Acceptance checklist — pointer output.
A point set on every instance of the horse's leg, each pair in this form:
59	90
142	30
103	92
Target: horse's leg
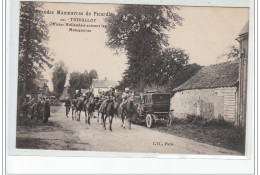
89	118
85	116
79	114
130	120
98	117
104	120
122	117
110	122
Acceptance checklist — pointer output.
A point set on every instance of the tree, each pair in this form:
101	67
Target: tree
170	61
80	81
92	75
139	30
74	83
231	55
182	75
59	76
33	53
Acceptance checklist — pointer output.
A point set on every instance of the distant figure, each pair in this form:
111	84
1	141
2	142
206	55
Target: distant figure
67	105
47	111
25	108
39	109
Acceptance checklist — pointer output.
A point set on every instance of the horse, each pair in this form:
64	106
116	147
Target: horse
107	109
127	111
78	107
89	108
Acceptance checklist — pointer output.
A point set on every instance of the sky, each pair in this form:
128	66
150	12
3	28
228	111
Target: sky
206	33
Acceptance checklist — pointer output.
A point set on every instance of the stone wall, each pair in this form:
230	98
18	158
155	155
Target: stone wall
208	103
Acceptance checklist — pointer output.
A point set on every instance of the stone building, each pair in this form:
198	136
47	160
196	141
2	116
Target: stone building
210	93
99	86
217	90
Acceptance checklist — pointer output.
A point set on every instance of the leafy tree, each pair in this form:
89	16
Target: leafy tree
74	83
231	55
59	76
33	53
92	75
170	61
182	75
80	81
139	30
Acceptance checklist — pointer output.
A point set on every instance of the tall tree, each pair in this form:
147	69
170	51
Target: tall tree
80	81
231	55
92	75
33	51
59	76
74	83
169	63
139	30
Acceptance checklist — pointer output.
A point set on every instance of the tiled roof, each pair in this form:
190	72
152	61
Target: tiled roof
213	76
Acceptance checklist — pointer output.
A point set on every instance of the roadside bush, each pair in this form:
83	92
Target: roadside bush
202	121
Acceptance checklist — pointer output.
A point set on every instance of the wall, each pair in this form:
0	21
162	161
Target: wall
205	102
243	63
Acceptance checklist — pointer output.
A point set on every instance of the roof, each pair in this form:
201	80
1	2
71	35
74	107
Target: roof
245	29
96	83
213	76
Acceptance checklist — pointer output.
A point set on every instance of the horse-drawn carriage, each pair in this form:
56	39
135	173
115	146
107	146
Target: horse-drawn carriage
153	107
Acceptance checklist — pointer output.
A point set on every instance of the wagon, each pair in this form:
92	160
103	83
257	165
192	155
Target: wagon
154	107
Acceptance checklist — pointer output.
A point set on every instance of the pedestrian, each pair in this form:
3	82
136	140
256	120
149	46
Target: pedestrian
25	108
46	111
39	109
67	105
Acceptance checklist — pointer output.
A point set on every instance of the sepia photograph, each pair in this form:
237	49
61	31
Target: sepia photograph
165	79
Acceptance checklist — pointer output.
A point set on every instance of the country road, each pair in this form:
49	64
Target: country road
65	134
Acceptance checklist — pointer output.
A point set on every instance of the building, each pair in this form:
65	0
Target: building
99	86
211	92
243	66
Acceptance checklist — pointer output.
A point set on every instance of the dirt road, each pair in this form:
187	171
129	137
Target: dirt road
63	133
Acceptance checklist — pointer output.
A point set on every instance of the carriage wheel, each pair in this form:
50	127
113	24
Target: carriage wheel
149	120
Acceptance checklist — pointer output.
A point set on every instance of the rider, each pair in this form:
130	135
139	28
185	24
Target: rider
125	96
110	97
77	94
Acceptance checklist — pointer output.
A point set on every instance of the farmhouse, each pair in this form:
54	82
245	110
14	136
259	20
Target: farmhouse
99	86
217	90
212	92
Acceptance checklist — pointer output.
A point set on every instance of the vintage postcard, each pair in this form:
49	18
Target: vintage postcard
132	78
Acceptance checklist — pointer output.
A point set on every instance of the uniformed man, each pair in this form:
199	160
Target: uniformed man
77	94
46	114
67	105
125	96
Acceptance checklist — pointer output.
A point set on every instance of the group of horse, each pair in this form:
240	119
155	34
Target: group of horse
108	108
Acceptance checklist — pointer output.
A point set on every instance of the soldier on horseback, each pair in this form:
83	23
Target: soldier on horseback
125	96
77	94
